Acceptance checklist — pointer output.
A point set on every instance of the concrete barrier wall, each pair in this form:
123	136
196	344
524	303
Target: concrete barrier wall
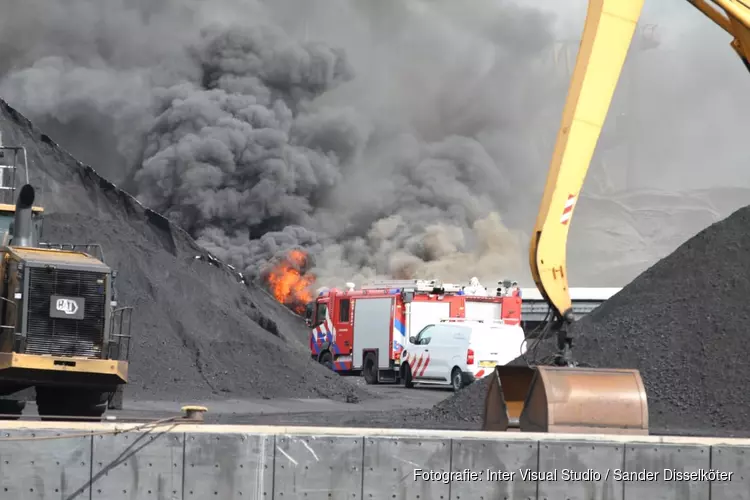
106	462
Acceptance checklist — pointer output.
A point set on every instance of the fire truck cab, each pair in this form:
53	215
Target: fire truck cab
365	330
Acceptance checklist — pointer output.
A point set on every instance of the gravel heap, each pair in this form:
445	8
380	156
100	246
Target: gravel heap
466	406
198	332
684	324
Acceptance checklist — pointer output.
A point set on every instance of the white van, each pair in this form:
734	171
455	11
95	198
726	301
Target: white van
456	352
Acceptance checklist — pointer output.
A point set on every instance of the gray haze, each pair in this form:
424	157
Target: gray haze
399	138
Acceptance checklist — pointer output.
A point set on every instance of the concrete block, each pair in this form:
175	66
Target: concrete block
390	467
580	470
35	467
665	462
734	460
493	469
138	466
318	467
228	466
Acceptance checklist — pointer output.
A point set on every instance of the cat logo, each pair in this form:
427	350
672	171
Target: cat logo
67	306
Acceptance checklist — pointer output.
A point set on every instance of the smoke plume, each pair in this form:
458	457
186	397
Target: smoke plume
356	132
384	138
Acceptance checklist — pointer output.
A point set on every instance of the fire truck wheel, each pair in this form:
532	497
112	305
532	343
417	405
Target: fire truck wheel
457	380
326	359
408	382
370	370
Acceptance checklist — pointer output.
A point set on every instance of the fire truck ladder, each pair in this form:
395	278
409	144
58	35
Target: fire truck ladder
10	158
434	285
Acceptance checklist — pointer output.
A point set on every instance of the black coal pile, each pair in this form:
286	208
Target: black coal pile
198	331
683	324
466	406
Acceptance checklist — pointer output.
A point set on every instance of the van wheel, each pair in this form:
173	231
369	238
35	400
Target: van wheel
457	380
408	382
370	370
326	359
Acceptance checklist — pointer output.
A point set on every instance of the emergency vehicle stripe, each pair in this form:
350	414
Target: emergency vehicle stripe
399	326
419	365
424	366
342	365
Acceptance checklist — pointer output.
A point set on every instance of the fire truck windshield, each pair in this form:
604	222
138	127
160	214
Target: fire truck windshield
320	314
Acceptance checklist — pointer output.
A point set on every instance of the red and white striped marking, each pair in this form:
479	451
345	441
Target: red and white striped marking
568	210
418	363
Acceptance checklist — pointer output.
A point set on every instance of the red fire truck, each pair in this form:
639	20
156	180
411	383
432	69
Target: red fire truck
365	330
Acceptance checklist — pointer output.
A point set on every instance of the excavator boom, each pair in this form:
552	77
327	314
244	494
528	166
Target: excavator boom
566	397
609	29
607	35
733	16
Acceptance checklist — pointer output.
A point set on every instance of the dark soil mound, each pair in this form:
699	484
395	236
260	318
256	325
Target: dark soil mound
467	405
684	324
199	333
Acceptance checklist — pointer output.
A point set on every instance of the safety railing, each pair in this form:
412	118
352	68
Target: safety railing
93	249
119	334
10	159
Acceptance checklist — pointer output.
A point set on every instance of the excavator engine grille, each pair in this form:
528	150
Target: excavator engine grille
64	336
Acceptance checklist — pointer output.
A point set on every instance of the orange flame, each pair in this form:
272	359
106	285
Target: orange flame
288	284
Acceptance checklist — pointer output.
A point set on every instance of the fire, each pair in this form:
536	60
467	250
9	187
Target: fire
289	284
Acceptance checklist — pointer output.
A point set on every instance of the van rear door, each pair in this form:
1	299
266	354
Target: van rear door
495	345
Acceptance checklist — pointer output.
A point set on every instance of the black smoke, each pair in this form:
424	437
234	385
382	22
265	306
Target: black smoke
383	138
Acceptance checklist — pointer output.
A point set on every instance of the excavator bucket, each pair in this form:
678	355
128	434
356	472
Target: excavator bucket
567	400
505	397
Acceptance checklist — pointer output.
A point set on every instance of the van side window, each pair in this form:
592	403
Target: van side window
344	311
425	335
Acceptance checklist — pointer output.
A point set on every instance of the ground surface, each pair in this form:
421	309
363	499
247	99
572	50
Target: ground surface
394	408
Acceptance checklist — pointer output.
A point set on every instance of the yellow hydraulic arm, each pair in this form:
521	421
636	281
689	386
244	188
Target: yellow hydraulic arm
607	35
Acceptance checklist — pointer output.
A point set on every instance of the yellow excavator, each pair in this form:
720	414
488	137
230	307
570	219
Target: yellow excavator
563	396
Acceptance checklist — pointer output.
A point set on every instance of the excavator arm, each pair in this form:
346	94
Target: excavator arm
733	16
567	398
607	35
